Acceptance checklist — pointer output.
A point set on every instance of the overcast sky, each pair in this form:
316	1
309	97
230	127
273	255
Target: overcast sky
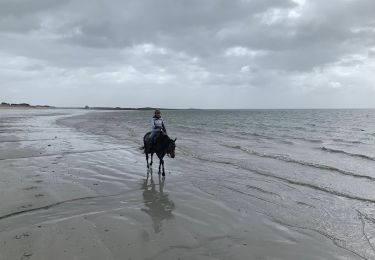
188	53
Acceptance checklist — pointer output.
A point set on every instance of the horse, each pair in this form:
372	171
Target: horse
162	145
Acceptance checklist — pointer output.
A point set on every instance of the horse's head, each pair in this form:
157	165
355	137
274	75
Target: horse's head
171	147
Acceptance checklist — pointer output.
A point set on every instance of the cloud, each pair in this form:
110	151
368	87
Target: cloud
251	53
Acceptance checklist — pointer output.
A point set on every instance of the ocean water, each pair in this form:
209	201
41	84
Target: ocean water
308	169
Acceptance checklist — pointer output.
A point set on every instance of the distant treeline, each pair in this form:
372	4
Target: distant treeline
3	104
25	105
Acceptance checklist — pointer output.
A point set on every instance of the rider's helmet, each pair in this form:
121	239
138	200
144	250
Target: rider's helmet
157	112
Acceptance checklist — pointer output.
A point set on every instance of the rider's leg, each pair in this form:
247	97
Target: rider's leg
151	138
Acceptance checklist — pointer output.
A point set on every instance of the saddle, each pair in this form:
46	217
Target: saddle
156	137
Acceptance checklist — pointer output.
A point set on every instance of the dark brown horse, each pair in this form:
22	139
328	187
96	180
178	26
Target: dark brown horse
162	145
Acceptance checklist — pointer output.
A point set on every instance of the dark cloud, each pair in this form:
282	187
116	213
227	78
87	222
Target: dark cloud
301	48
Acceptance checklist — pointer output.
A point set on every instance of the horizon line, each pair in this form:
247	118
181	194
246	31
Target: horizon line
26	105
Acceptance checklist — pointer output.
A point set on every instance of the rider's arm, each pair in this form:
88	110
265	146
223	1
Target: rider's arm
163	127
152	123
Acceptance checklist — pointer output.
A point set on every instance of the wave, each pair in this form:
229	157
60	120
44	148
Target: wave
363	156
262	190
286	142
27	140
280	138
300	162
243	133
293	182
358	129
316	187
61	154
347	141
303	139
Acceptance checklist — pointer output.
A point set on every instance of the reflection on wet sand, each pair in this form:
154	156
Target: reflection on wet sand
157	203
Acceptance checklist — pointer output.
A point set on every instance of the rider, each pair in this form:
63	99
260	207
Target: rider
157	123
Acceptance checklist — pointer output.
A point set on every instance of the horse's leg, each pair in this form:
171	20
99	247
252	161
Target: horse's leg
148	166
159	166
162	163
152	155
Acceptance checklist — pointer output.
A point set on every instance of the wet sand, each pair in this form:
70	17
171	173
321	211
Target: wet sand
67	194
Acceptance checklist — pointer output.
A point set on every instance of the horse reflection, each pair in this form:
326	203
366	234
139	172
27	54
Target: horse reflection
157	203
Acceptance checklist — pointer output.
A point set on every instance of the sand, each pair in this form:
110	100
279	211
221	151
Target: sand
66	194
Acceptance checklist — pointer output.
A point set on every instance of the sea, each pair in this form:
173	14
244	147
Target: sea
308	169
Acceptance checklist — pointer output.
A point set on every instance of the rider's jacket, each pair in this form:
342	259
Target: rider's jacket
158	123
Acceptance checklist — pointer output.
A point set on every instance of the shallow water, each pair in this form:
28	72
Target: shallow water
245	184
312	169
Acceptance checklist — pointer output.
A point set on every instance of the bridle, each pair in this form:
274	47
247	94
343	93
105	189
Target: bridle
171	147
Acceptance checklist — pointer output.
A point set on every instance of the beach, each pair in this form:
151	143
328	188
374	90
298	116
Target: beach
74	185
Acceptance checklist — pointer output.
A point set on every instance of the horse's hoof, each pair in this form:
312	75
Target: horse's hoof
150	163
163	174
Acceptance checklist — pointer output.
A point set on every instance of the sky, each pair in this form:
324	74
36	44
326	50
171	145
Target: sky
188	53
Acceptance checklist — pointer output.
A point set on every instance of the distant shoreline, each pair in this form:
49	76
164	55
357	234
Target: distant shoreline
27	106
22	105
